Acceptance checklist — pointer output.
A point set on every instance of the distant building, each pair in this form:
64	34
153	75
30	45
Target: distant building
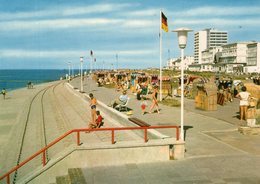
205	39
209	57
194	67
175	63
234	58
170	63
253	58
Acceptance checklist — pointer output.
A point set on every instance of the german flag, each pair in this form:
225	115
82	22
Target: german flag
164	23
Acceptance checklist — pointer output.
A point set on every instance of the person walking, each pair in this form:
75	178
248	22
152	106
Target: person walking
244	102
3	92
93	106
154	100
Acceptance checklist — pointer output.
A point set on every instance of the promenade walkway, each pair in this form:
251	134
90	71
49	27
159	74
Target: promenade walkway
63	110
215	151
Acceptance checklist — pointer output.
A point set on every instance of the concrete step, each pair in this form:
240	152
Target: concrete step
63	180
76	176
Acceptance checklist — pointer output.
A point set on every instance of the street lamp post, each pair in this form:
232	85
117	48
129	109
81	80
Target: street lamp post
81	76
69	71
117	62
182	38
72	70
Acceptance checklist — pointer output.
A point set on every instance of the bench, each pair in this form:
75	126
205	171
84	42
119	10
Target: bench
139	122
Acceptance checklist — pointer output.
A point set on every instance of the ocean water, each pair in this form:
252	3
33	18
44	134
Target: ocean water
14	79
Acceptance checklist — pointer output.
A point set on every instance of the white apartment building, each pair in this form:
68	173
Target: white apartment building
175	63
205	39
253	58
170	63
209	55
234	57
209	58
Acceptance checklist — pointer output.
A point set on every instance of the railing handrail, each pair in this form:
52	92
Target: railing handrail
43	150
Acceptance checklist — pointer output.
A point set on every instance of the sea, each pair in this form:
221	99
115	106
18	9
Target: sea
15	79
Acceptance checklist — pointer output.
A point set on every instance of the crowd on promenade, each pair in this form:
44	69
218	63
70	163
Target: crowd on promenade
227	90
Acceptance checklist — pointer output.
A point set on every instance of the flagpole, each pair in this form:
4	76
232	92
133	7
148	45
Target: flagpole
91	64
160	55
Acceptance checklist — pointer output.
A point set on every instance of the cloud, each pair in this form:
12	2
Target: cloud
97	8
138	23
65	11
70	23
219	22
56	24
19	53
143	13
220	11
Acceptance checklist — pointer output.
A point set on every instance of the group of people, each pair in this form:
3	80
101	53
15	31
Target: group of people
141	90
96	118
256	80
247	107
122	85
123	98
230	91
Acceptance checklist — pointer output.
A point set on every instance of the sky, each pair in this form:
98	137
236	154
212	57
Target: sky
48	34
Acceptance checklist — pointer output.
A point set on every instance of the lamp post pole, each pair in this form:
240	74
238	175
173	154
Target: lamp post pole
117	62
182	94
72	70
182	38
81	76
69	71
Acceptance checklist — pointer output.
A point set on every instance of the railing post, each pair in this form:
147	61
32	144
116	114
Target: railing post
8	179
78	138
177	133
113	136
145	134
44	158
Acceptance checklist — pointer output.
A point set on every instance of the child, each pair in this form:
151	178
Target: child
98	123
93	106
99	120
143	105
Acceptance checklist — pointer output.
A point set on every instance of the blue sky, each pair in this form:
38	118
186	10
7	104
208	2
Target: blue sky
47	34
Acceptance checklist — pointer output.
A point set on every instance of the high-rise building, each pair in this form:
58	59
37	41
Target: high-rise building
208	38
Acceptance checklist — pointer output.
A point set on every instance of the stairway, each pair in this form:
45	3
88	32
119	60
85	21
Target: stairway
75	176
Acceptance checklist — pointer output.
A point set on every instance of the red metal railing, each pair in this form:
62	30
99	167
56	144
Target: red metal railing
43	150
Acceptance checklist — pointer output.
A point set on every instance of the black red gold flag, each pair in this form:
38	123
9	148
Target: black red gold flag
164	23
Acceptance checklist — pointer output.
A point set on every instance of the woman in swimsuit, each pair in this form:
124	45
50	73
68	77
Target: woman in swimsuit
154	98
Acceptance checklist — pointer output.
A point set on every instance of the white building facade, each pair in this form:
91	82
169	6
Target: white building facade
234	58
175	63
170	63
253	58
205	39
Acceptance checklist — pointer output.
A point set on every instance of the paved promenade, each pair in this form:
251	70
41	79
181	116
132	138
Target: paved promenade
22	114
215	151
